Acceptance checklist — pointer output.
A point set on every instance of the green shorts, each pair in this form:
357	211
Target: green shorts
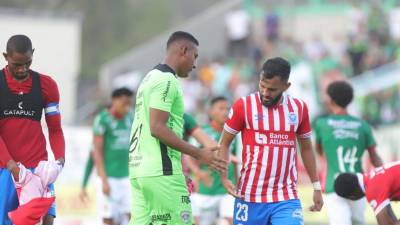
160	200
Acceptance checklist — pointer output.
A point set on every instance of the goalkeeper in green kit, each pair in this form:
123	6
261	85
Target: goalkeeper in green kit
343	139
159	191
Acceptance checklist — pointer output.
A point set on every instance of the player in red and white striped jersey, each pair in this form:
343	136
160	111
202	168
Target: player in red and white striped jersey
380	186
270	122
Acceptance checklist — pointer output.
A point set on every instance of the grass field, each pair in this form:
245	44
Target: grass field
73	212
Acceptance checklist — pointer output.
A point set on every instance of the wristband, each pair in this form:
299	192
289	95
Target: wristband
317	186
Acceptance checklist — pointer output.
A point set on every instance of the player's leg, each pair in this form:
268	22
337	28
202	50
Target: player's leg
168	199
105	203
195	201
8	196
205	208
51	214
226	208
123	199
247	213
140	210
287	212
338	209
358	211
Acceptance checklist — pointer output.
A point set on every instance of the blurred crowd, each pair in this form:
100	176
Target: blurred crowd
369	43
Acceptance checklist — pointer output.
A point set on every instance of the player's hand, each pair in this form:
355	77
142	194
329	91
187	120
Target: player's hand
106	187
230	188
208	156
12	166
318	201
83	196
204	177
61	161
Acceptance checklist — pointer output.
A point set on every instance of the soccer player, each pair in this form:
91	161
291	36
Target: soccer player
159	191
380	186
343	139
270	122
24	95
111	129
212	201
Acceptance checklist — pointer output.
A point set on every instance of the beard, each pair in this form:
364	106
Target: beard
271	102
21	76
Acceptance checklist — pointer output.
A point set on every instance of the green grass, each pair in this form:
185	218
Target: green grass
69	205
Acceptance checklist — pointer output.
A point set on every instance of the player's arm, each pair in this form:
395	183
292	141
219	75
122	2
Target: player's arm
203	138
307	154
318	145
192	129
386	217
371	143
374	157
7	160
88	170
308	158
51	97
98	158
225	142
206	141
86	175
318	148
159	130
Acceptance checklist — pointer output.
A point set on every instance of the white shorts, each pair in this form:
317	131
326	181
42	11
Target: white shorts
207	208
119	201
343	211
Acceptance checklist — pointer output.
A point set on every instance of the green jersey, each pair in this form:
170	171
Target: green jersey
343	139
115	134
189	124
216	188
160	89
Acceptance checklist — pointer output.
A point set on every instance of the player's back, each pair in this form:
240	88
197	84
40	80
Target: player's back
386	176
160	89
343	139
382	185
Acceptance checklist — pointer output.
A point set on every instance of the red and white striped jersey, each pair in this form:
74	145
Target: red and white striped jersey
269	155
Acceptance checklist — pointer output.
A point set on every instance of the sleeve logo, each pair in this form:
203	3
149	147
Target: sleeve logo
230	113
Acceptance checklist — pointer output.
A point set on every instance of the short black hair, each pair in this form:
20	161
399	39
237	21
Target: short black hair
217	99
341	93
181	35
121	92
346	184
19	43
276	67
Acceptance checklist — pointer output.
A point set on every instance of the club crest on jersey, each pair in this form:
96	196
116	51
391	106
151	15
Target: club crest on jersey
292	118
185	216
